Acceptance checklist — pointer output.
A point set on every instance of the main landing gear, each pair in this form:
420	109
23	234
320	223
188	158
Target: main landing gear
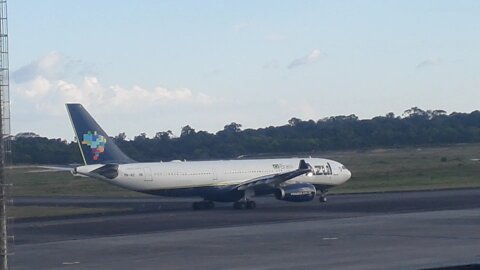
323	196
244	204
203	205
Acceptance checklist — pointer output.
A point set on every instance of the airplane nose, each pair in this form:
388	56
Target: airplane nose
348	174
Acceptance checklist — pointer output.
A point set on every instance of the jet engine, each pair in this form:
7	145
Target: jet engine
300	192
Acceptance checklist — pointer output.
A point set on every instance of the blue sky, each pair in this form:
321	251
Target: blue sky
148	66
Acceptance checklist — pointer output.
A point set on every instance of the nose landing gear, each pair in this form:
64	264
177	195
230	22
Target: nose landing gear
323	196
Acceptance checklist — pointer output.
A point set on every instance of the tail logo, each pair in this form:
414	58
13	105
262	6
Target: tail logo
96	143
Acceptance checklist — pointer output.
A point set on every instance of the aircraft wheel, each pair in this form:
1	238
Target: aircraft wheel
238	205
251	205
322	199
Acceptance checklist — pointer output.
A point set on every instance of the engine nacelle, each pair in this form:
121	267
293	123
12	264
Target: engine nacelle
300	192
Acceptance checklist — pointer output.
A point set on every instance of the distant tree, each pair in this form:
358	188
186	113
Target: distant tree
232	127
163	135
40	150
416	127
390	115
121	137
294	121
187	130
26	135
436	113
351	117
414	112
141	137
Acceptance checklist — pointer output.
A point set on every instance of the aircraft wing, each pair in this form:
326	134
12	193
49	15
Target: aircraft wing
273	180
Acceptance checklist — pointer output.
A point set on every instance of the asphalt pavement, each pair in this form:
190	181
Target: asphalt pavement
397	230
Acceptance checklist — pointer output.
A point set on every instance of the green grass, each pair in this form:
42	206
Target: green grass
411	168
28	181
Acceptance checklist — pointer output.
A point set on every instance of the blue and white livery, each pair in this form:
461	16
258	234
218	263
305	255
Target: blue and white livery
237	181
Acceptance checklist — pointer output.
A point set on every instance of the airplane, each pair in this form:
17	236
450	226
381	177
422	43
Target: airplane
235	181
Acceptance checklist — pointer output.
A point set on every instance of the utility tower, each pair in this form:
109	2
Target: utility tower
5	148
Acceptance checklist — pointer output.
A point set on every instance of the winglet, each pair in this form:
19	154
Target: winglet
304	165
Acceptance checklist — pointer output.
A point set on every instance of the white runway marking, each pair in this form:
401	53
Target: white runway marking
70	263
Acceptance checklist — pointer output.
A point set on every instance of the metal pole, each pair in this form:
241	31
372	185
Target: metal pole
3	209
4	132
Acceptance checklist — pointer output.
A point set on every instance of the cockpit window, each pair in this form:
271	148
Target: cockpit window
343	167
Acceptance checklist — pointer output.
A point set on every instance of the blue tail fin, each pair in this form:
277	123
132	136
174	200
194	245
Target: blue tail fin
95	145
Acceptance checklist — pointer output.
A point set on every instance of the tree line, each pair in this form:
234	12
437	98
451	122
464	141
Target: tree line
414	128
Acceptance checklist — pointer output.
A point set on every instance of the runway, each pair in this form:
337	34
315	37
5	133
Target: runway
400	230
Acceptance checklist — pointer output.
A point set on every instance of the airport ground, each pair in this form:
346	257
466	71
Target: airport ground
392	230
375	221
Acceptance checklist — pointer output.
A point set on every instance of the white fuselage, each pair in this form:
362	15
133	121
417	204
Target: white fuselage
146	177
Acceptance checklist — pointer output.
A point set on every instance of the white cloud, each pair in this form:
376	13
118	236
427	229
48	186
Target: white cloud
38	87
430	62
49	61
46	94
313	57
45	85
53	65
140	97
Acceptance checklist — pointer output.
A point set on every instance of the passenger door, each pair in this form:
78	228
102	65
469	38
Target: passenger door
148	174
